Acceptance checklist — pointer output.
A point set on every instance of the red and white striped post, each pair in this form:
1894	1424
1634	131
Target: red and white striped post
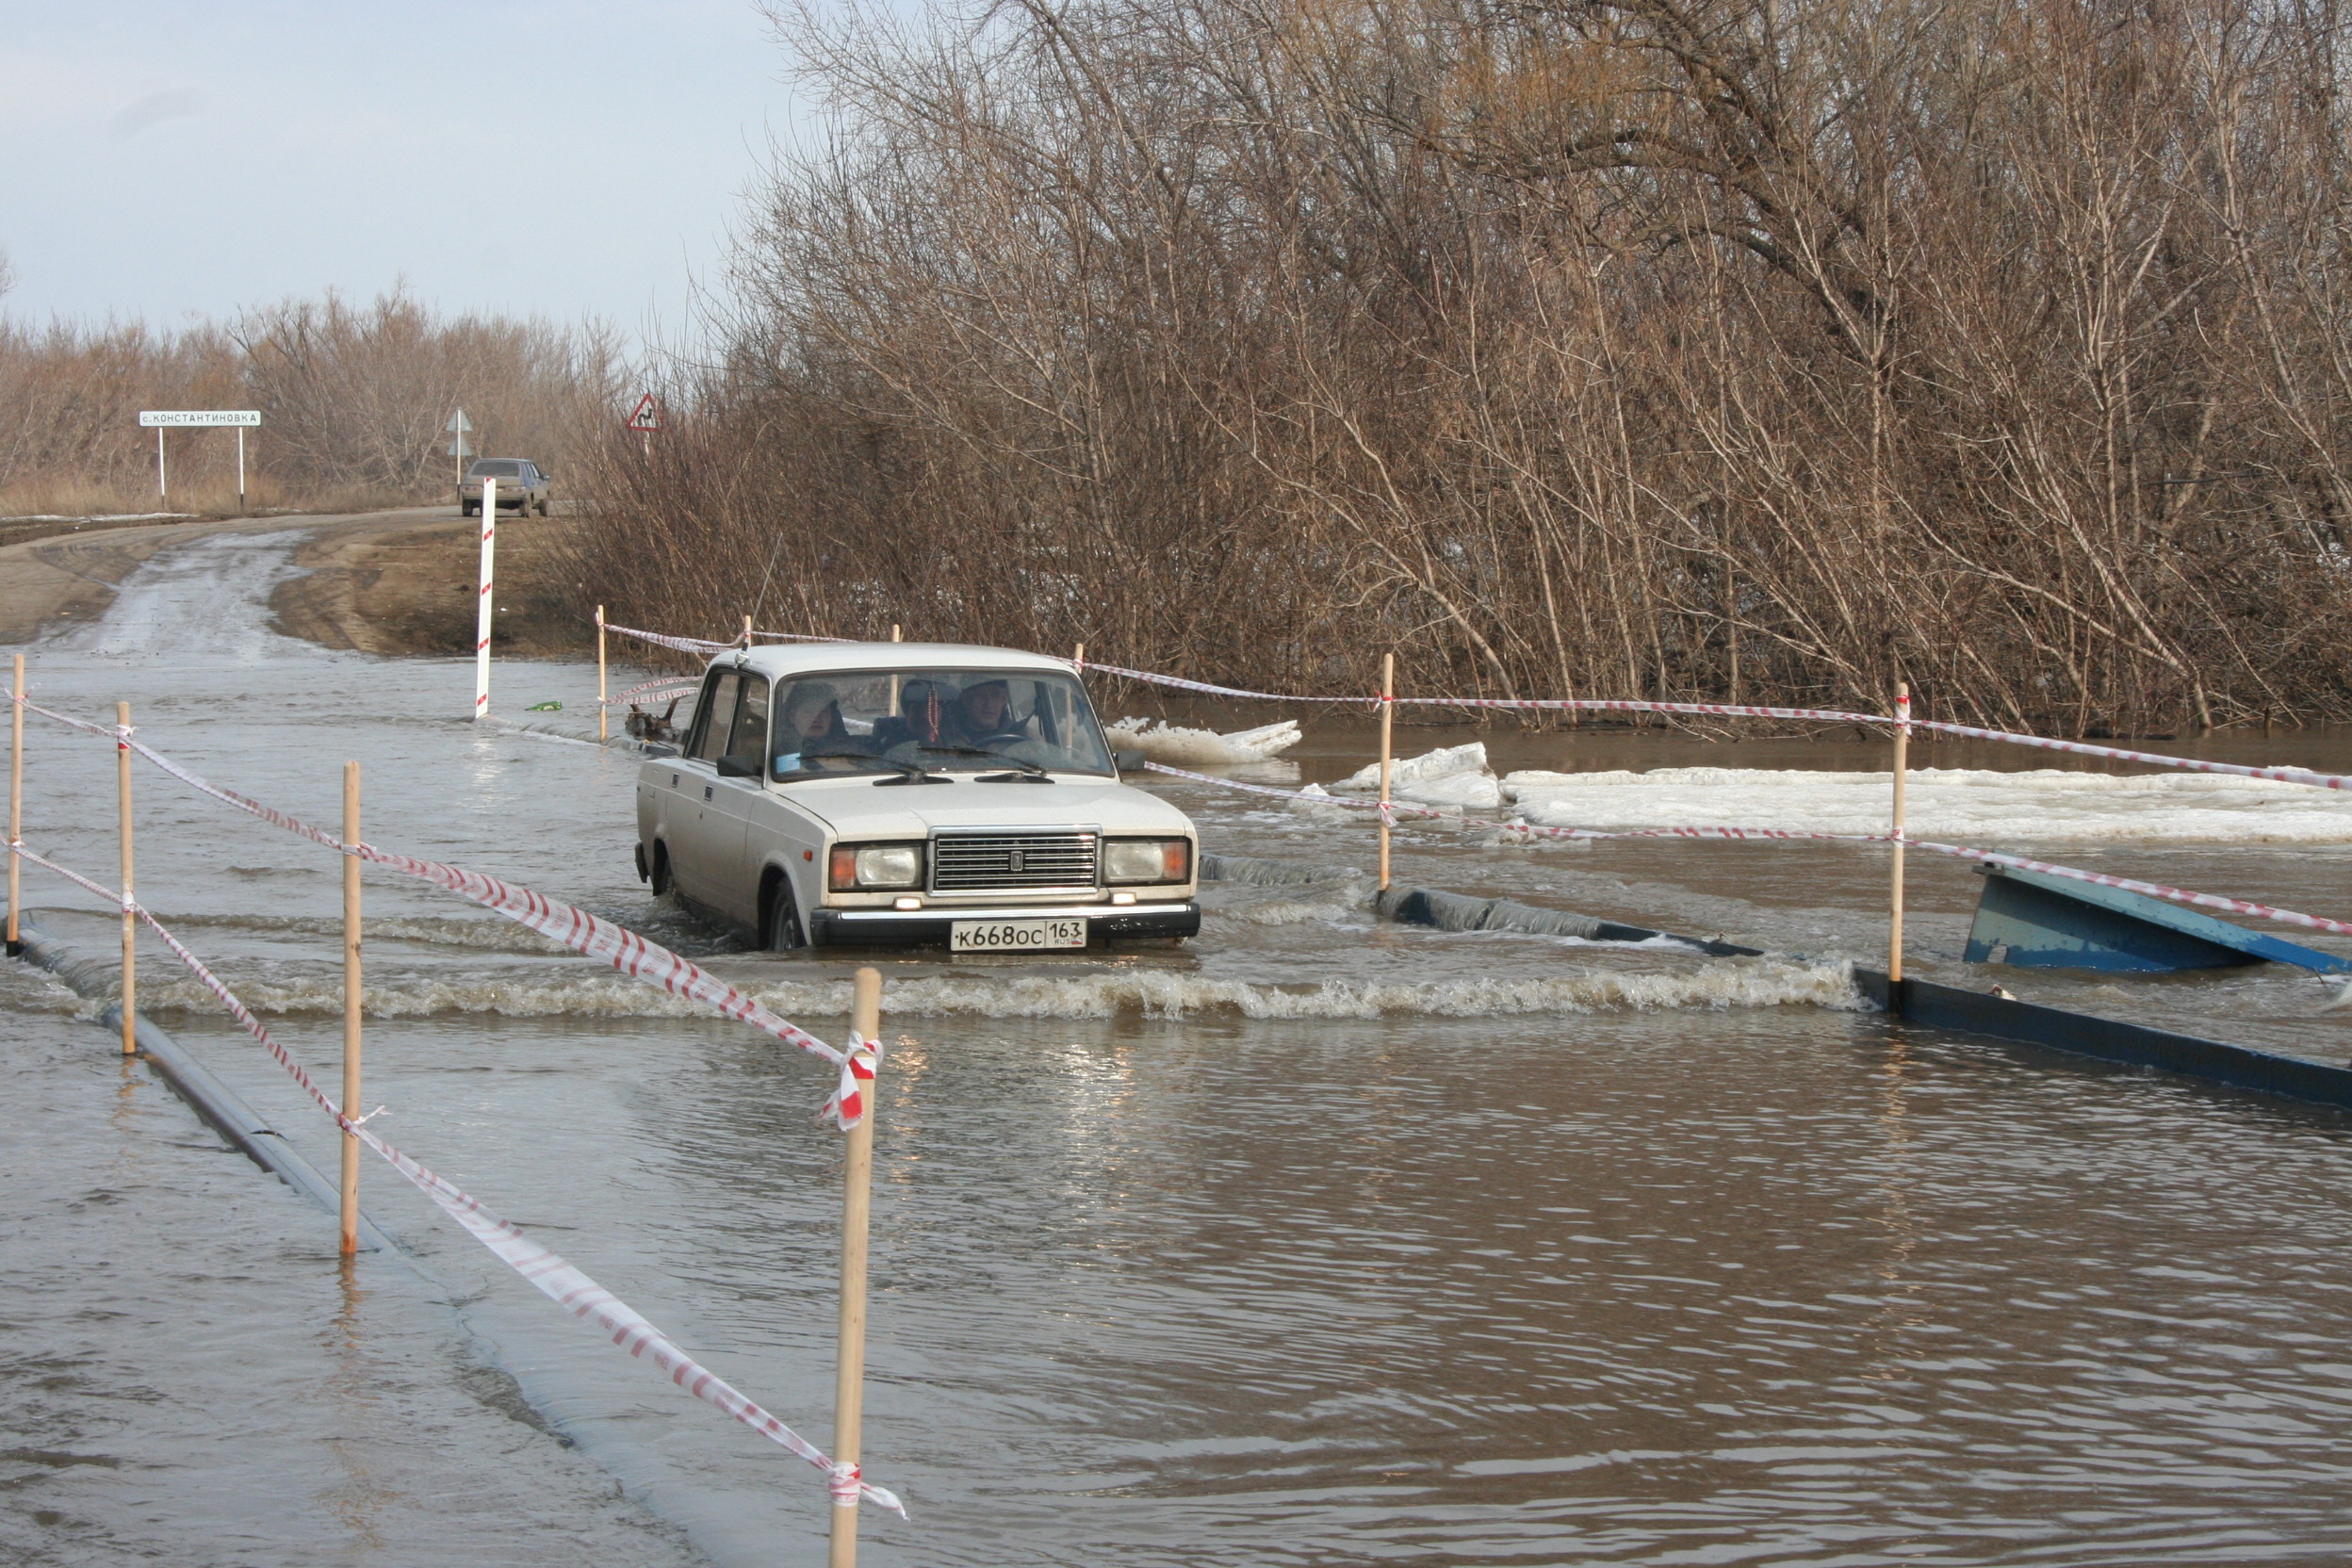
16	805
1894	916
350	1010
130	919
481	614
1388	753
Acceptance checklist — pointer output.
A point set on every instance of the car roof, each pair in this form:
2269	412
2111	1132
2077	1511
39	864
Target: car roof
793	659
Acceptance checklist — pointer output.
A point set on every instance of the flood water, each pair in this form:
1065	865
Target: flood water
1316	1241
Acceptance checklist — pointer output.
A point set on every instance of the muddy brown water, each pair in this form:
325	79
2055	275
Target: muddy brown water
1316	1241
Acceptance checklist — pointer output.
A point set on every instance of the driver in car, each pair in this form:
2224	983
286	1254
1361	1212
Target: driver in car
984	717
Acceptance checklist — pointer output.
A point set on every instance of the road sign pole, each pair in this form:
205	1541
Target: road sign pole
163	419
457	427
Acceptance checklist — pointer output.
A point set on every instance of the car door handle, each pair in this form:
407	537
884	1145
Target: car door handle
706	791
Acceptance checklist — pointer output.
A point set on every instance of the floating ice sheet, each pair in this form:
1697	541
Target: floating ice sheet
1967	804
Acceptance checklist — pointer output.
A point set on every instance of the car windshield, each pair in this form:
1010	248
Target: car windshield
496	469
883	720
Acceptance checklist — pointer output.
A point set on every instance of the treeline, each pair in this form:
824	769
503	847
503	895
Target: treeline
1760	350
353	399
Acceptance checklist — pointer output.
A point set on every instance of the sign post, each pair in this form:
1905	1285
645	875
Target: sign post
459	448
161	420
644	419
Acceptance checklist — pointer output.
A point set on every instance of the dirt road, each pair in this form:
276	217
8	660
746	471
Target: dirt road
384	582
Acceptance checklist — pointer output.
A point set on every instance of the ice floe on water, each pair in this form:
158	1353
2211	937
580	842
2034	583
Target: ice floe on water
1178	747
1965	805
1450	775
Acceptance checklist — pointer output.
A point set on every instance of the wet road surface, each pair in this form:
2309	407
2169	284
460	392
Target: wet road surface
1317	1241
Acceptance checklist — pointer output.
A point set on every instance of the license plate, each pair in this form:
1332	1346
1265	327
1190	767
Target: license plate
1015	936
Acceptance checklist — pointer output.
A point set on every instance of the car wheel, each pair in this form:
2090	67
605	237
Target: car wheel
543	506
782	924
662	883
467	509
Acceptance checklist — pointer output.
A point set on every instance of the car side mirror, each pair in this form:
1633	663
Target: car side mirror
658	748
739	767
1128	761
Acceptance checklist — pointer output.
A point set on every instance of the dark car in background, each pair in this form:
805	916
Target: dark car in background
521	485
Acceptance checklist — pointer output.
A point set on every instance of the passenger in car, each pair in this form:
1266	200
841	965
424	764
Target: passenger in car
820	741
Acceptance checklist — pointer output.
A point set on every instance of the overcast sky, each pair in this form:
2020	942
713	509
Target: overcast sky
166	159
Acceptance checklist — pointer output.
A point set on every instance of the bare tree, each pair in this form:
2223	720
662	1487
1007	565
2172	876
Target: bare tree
1692	347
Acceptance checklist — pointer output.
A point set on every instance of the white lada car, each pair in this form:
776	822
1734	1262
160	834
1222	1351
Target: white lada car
888	793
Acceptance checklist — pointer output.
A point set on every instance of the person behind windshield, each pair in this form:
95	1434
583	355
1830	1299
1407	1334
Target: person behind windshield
814	731
983	715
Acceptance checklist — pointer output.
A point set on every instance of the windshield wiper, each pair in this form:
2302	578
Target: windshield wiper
1029	771
910	773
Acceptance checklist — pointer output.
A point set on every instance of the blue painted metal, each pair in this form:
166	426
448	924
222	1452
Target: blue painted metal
2036	921
2078	1034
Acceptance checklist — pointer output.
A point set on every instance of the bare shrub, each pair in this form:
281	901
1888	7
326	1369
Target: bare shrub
1698	348
352	402
356	398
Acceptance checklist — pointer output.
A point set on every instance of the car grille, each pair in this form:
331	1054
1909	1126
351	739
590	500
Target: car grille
979	863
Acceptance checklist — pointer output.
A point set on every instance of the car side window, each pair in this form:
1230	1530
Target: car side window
750	733
715	723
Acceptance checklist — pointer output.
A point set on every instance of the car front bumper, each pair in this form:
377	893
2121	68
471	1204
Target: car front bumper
909	927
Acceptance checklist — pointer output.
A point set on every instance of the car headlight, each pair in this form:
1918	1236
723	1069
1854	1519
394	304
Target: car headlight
854	866
1147	860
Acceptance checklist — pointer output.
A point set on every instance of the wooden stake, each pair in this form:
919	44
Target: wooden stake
893	632
1079	659
604	714
849	1380
16	803
1894	920
746	631
350	1009
130	922
1388	713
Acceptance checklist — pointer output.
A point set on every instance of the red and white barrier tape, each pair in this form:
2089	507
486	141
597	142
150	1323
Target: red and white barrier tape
800	637
2152	889
2194	764
1612	705
662	638
557	1279
1182	684
654	691
847	1107
1814	715
576	928
1714	710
